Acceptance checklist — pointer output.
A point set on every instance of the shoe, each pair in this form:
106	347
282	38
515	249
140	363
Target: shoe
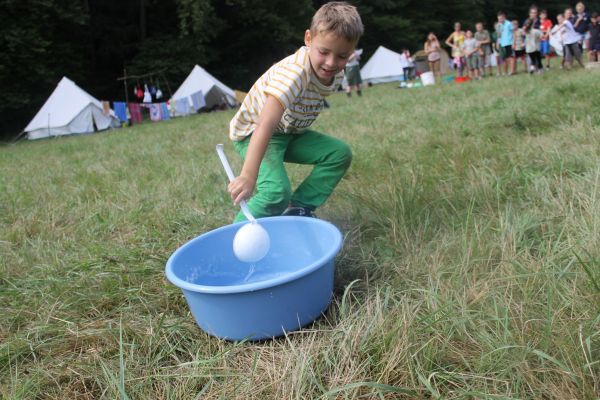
299	212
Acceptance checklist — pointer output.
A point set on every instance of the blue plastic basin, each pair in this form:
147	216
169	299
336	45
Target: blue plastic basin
284	291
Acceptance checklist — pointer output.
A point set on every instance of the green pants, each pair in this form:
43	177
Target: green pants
330	156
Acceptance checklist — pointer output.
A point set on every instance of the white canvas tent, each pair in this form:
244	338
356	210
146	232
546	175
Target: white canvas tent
69	110
215	92
383	66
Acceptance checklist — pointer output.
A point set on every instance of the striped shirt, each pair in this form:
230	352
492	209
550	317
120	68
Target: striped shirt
294	84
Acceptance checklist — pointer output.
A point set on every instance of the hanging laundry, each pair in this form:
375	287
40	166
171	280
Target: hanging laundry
121	110
158	94
198	100
182	106
164	111
139	93
155	112
147	96
136	112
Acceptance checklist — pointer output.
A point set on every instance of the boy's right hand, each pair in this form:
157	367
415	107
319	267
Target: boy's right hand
241	188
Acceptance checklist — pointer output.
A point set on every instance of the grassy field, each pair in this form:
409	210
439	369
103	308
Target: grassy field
470	270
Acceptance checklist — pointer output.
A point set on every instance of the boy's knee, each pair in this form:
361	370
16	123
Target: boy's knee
277	200
343	154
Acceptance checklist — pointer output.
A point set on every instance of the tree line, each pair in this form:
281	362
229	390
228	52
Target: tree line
93	41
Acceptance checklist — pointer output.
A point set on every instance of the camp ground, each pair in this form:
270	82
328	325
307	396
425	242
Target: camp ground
435	239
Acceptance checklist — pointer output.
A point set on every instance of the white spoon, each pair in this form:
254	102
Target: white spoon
251	242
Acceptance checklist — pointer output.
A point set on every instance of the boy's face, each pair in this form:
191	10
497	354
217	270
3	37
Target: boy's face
580	8
543	16
501	19
560	19
328	54
479	27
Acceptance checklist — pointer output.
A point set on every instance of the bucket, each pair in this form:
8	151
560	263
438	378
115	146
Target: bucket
427	78
283	292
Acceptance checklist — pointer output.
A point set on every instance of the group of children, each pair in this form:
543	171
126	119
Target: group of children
528	42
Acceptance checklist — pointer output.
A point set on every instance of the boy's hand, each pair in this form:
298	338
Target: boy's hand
241	188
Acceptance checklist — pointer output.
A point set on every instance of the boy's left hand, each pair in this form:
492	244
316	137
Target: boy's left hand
241	188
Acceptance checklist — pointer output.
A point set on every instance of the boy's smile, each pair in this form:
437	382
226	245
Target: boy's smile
328	54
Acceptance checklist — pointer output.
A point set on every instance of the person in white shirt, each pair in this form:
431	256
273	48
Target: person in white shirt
570	41
408	65
352	71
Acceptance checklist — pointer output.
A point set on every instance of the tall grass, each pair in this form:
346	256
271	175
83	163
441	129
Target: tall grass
470	267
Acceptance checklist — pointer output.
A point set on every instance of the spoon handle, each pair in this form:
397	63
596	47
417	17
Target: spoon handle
231	177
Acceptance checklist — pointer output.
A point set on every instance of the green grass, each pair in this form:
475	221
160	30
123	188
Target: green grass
470	270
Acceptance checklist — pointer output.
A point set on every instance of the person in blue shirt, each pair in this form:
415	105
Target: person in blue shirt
506	42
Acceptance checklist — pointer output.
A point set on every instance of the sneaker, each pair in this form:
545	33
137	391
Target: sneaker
299	212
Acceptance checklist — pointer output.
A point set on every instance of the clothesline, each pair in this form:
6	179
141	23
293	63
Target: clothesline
131	113
158	74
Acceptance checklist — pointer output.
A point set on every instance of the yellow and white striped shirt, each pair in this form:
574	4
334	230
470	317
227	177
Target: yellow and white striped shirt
293	82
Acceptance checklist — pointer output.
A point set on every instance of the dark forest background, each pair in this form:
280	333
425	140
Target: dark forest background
93	41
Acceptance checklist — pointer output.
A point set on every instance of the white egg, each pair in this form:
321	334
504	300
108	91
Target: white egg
251	243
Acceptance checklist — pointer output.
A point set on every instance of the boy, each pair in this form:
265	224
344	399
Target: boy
519	45
546	27
484	43
471	51
570	41
271	126
506	42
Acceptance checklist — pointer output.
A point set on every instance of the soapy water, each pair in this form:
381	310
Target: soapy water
212	275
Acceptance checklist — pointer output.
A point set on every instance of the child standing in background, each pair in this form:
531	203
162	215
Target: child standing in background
408	65
432	49
546	27
570	40
455	42
484	42
352	70
533	39
499	50
519	45
506	40
470	49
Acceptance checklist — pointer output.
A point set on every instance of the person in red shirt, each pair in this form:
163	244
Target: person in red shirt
546	27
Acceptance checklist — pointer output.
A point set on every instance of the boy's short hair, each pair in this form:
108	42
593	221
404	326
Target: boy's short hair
501	14
544	12
594	15
339	18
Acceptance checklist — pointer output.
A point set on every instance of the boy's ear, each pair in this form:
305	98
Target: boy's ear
307	38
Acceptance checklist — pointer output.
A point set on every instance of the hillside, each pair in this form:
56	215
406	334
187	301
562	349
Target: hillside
470	267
